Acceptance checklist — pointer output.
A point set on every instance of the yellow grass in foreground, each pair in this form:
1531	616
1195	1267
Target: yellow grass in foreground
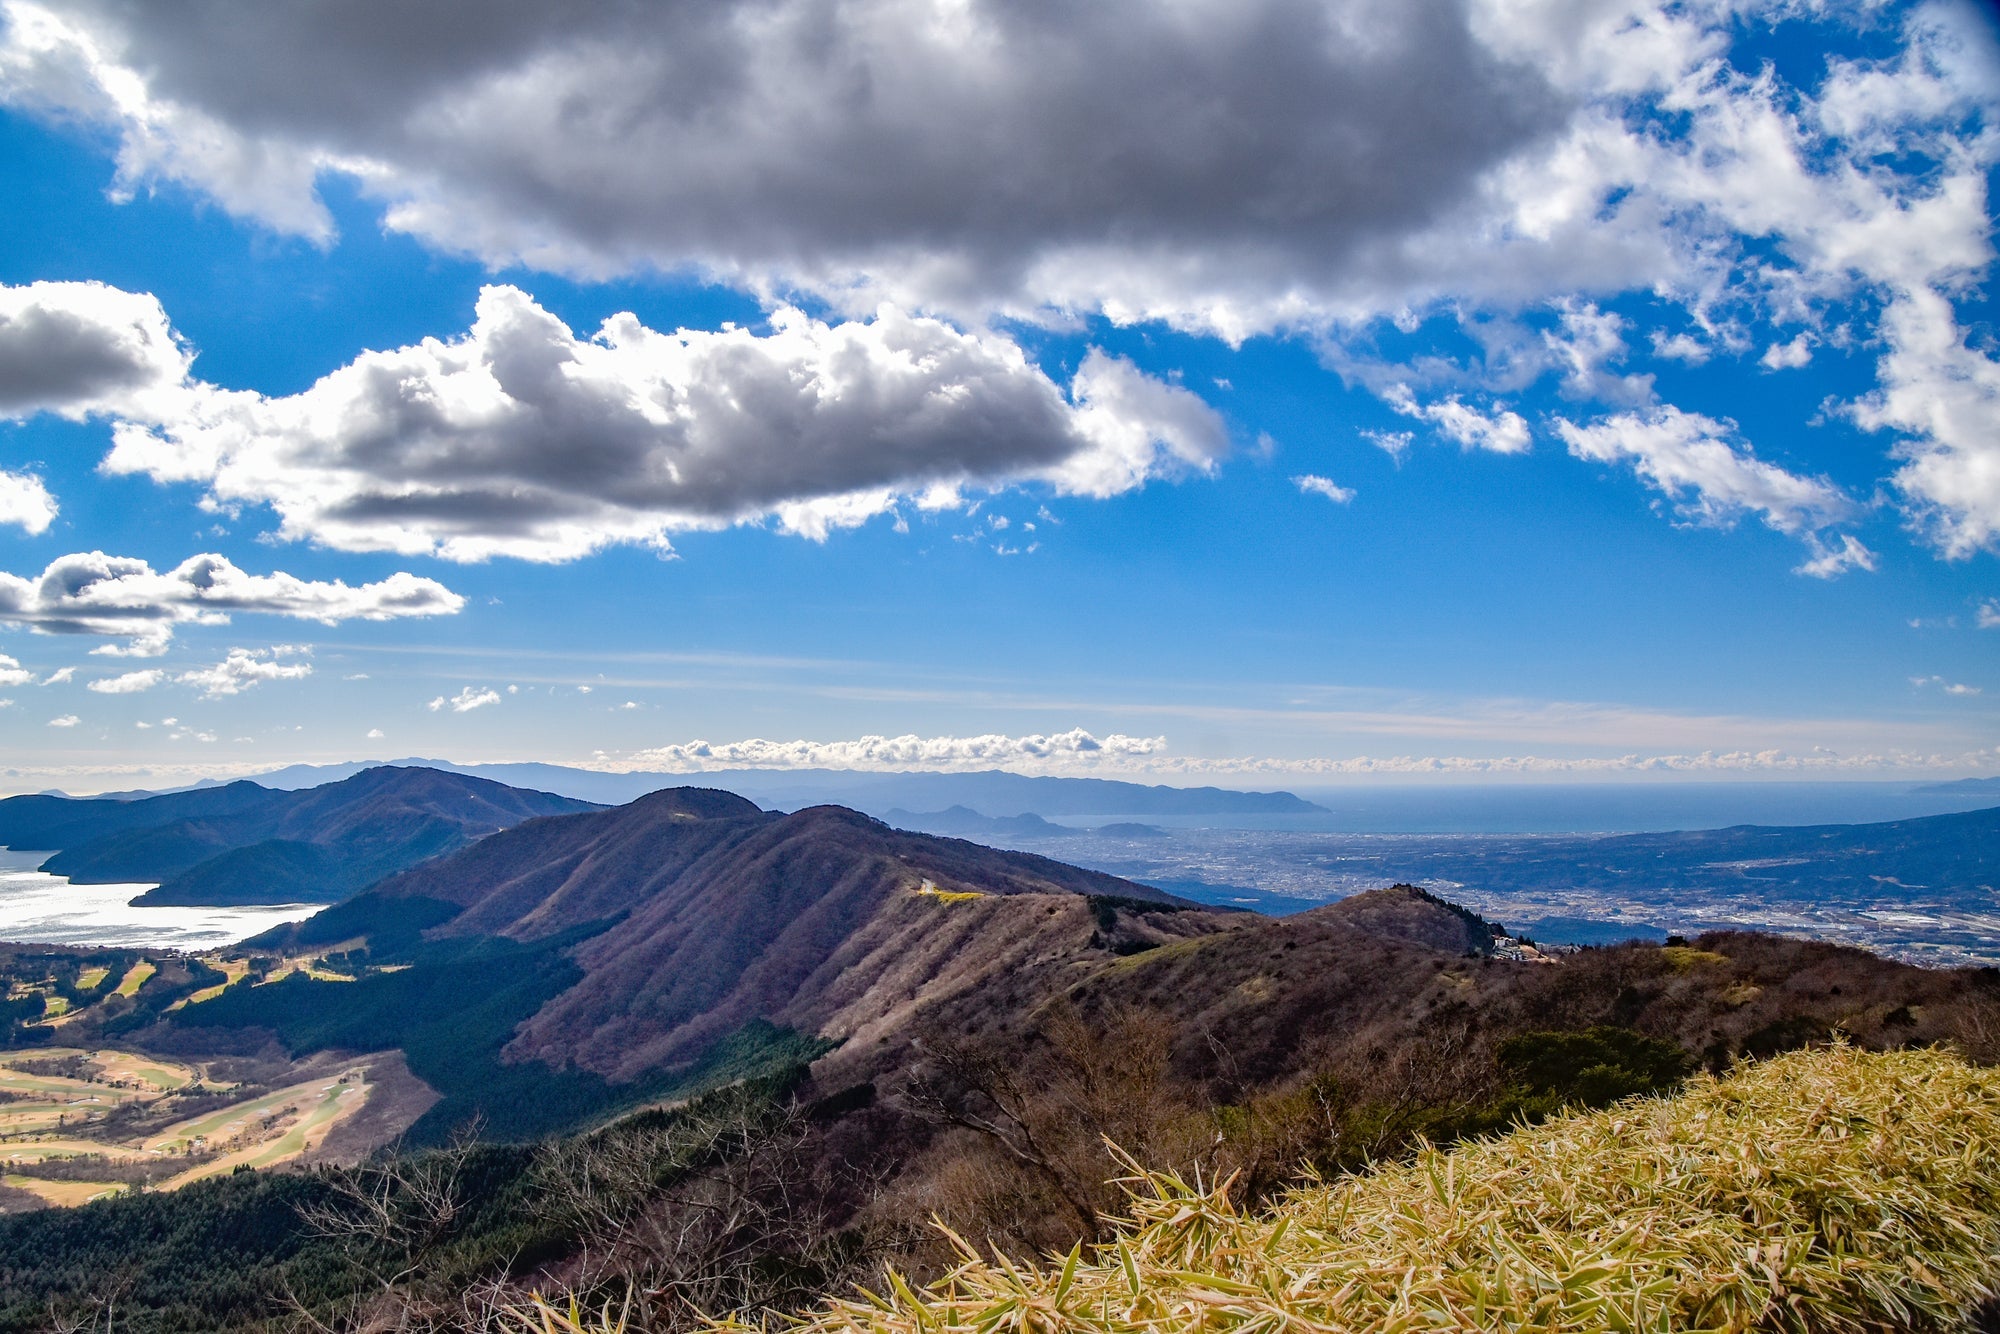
1825	1190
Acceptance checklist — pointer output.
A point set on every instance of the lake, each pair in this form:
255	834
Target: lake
43	909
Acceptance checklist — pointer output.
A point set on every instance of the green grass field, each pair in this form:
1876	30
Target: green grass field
234	970
318	1110
56	1114
65	1192
135	977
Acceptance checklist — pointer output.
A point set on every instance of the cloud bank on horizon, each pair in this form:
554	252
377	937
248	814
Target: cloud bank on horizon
1518	226
1078	752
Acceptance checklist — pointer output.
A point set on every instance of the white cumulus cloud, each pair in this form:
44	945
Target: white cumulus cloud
92	593
1788	355
1942	397
129	683
83	349
518	438
26	503
1231	168
1312	484
1499	430
1681	347
244	668
66	720
1233	165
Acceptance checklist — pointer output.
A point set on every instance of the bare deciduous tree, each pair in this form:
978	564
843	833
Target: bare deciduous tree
390	1216
725	1210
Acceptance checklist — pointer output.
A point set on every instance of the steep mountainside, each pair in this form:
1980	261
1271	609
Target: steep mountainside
1245	1002
876	793
709	913
242	844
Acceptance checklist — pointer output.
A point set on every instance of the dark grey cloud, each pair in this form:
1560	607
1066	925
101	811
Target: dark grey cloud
963	155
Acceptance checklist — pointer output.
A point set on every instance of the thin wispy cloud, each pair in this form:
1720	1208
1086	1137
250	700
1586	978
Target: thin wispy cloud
1078	752
1312	484
1711	480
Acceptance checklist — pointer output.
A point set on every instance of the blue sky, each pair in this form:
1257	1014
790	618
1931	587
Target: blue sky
1261	394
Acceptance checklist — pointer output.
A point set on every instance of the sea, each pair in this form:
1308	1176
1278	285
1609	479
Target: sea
1607	808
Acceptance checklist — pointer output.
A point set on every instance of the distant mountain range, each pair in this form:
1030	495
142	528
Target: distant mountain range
1968	786
964	822
990	793
242	843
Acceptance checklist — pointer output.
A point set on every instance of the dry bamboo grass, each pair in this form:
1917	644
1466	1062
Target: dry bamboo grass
1824	1190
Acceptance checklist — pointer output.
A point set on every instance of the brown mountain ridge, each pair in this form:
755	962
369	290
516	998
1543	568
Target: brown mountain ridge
691	916
720	913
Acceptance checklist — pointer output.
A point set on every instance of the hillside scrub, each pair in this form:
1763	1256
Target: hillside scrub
1831	1189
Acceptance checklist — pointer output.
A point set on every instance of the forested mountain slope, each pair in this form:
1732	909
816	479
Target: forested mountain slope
47	823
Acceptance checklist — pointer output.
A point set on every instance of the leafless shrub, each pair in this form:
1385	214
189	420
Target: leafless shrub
728	1210
98	1311
1047	1120
396	1212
